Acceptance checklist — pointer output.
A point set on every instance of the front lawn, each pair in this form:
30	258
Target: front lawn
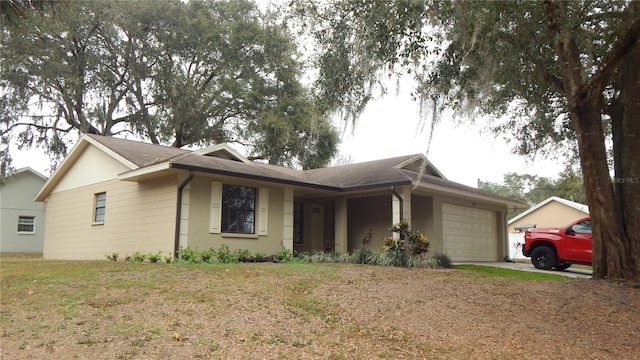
126	310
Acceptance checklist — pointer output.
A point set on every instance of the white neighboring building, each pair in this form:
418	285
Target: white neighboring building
22	219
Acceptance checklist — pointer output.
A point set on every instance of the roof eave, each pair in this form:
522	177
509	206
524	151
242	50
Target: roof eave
253	177
145	172
485	198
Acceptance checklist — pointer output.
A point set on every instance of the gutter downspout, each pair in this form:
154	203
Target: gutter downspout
176	242
400	200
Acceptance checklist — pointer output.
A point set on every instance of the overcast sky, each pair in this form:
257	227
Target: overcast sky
390	127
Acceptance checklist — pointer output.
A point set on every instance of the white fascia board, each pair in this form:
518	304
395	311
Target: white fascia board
141	172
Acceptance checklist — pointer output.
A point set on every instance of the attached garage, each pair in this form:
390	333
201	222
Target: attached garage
469	234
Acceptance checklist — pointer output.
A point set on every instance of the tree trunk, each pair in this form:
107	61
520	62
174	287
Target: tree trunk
612	255
626	146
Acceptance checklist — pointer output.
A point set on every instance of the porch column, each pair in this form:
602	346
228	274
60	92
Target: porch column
287	233
405	193
341	225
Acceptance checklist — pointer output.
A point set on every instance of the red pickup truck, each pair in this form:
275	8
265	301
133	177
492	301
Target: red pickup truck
558	248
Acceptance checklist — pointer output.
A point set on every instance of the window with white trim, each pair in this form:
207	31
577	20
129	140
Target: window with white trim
100	207
26	224
238	209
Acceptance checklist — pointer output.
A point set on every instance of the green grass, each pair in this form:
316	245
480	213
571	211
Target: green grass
524	275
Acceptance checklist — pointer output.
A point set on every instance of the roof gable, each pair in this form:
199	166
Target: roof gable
223	151
420	164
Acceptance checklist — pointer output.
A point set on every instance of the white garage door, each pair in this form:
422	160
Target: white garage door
469	234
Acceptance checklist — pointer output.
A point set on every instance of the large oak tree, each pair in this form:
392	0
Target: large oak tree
555	75
166	71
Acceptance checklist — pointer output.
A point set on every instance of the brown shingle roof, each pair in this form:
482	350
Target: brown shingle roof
140	153
368	174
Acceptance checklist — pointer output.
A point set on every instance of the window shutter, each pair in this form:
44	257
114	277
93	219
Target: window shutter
215	215
263	211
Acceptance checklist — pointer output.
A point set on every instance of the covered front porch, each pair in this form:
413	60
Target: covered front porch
462	228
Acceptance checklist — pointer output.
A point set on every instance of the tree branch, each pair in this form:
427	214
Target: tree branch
623	46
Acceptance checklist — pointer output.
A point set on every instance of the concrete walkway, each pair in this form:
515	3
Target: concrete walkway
570	272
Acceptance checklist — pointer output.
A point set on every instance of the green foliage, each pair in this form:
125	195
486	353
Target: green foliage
260	256
154	258
532	189
441	260
137	257
172	72
207	256
284	254
404	245
363	256
188	255
242	254
224	255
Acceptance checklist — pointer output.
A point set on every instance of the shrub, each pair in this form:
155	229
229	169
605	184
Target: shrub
259	256
113	256
441	260
187	255
284	254
242	254
403	247
363	256
207	255
224	255
137	257
154	258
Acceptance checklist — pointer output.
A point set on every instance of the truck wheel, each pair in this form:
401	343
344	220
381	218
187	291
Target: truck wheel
543	257
562	266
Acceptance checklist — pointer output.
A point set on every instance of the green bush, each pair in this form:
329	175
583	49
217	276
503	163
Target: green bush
137	257
284	254
224	255
188	255
242	254
363	256
154	258
207	256
441	260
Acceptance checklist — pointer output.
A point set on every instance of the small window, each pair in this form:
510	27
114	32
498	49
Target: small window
26	224
101	202
238	209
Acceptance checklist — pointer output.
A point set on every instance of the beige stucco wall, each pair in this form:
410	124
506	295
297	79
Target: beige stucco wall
139	217
199	217
551	214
